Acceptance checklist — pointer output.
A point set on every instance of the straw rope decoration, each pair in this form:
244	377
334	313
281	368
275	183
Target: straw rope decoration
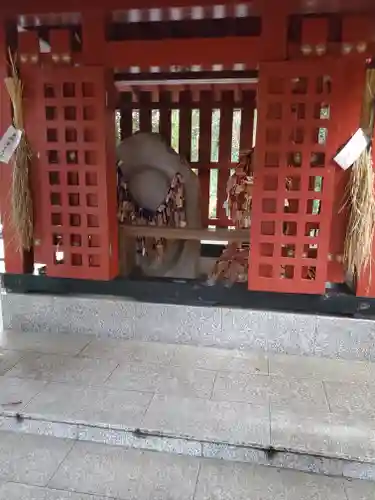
360	196
21	200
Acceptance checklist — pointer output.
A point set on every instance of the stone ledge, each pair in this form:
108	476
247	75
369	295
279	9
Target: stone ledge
270	331
287	459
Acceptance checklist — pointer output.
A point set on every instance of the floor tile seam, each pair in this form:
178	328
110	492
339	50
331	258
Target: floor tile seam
197	479
73	444
345	490
181	366
315	336
11	367
104	386
61	490
326	396
87	493
270	399
80	385
104	383
145	411
23	407
84	347
153	398
40	353
270	423
213	386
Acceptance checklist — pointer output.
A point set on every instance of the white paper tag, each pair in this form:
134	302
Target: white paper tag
352	149
9	143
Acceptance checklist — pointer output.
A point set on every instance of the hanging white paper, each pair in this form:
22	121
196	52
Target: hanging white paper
9	143
352	149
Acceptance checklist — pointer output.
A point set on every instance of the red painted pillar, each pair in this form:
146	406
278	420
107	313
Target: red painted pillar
346	122
274	31
15	259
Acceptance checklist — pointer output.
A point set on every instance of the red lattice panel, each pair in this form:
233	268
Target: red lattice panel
74	174
294	176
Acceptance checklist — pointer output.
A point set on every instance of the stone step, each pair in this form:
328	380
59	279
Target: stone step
230	328
47	468
310	414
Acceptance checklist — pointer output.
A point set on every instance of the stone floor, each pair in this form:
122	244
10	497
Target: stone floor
204	401
47	468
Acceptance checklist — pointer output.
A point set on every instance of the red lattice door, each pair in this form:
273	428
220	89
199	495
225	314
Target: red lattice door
71	130
297	137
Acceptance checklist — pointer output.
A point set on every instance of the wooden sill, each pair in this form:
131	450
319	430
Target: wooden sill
176	233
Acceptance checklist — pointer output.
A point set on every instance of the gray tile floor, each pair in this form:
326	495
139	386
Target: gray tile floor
311	405
45	468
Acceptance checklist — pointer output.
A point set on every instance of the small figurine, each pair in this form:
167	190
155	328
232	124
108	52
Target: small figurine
232	265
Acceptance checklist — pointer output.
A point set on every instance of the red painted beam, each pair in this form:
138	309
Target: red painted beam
267	6
193	51
45	6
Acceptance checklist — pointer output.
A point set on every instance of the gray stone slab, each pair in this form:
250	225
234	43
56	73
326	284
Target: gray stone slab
247	362
30	459
297	394
175	323
200	419
127	474
308	463
233	481
360	490
243	329
17	491
163	380
261	390
211	358
100	315
326	434
318	368
271	331
15	393
359	470
126	351
351	398
59	368
244	388
187	356
165	476
291	333
208	358
234	453
345	338
43	342
93	405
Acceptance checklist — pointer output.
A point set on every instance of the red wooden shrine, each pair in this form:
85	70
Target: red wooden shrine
298	69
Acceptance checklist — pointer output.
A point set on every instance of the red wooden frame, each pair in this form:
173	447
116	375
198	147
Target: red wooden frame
272	46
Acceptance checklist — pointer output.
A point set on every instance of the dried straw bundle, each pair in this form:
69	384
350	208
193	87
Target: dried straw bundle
361	197
360	230
21	200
